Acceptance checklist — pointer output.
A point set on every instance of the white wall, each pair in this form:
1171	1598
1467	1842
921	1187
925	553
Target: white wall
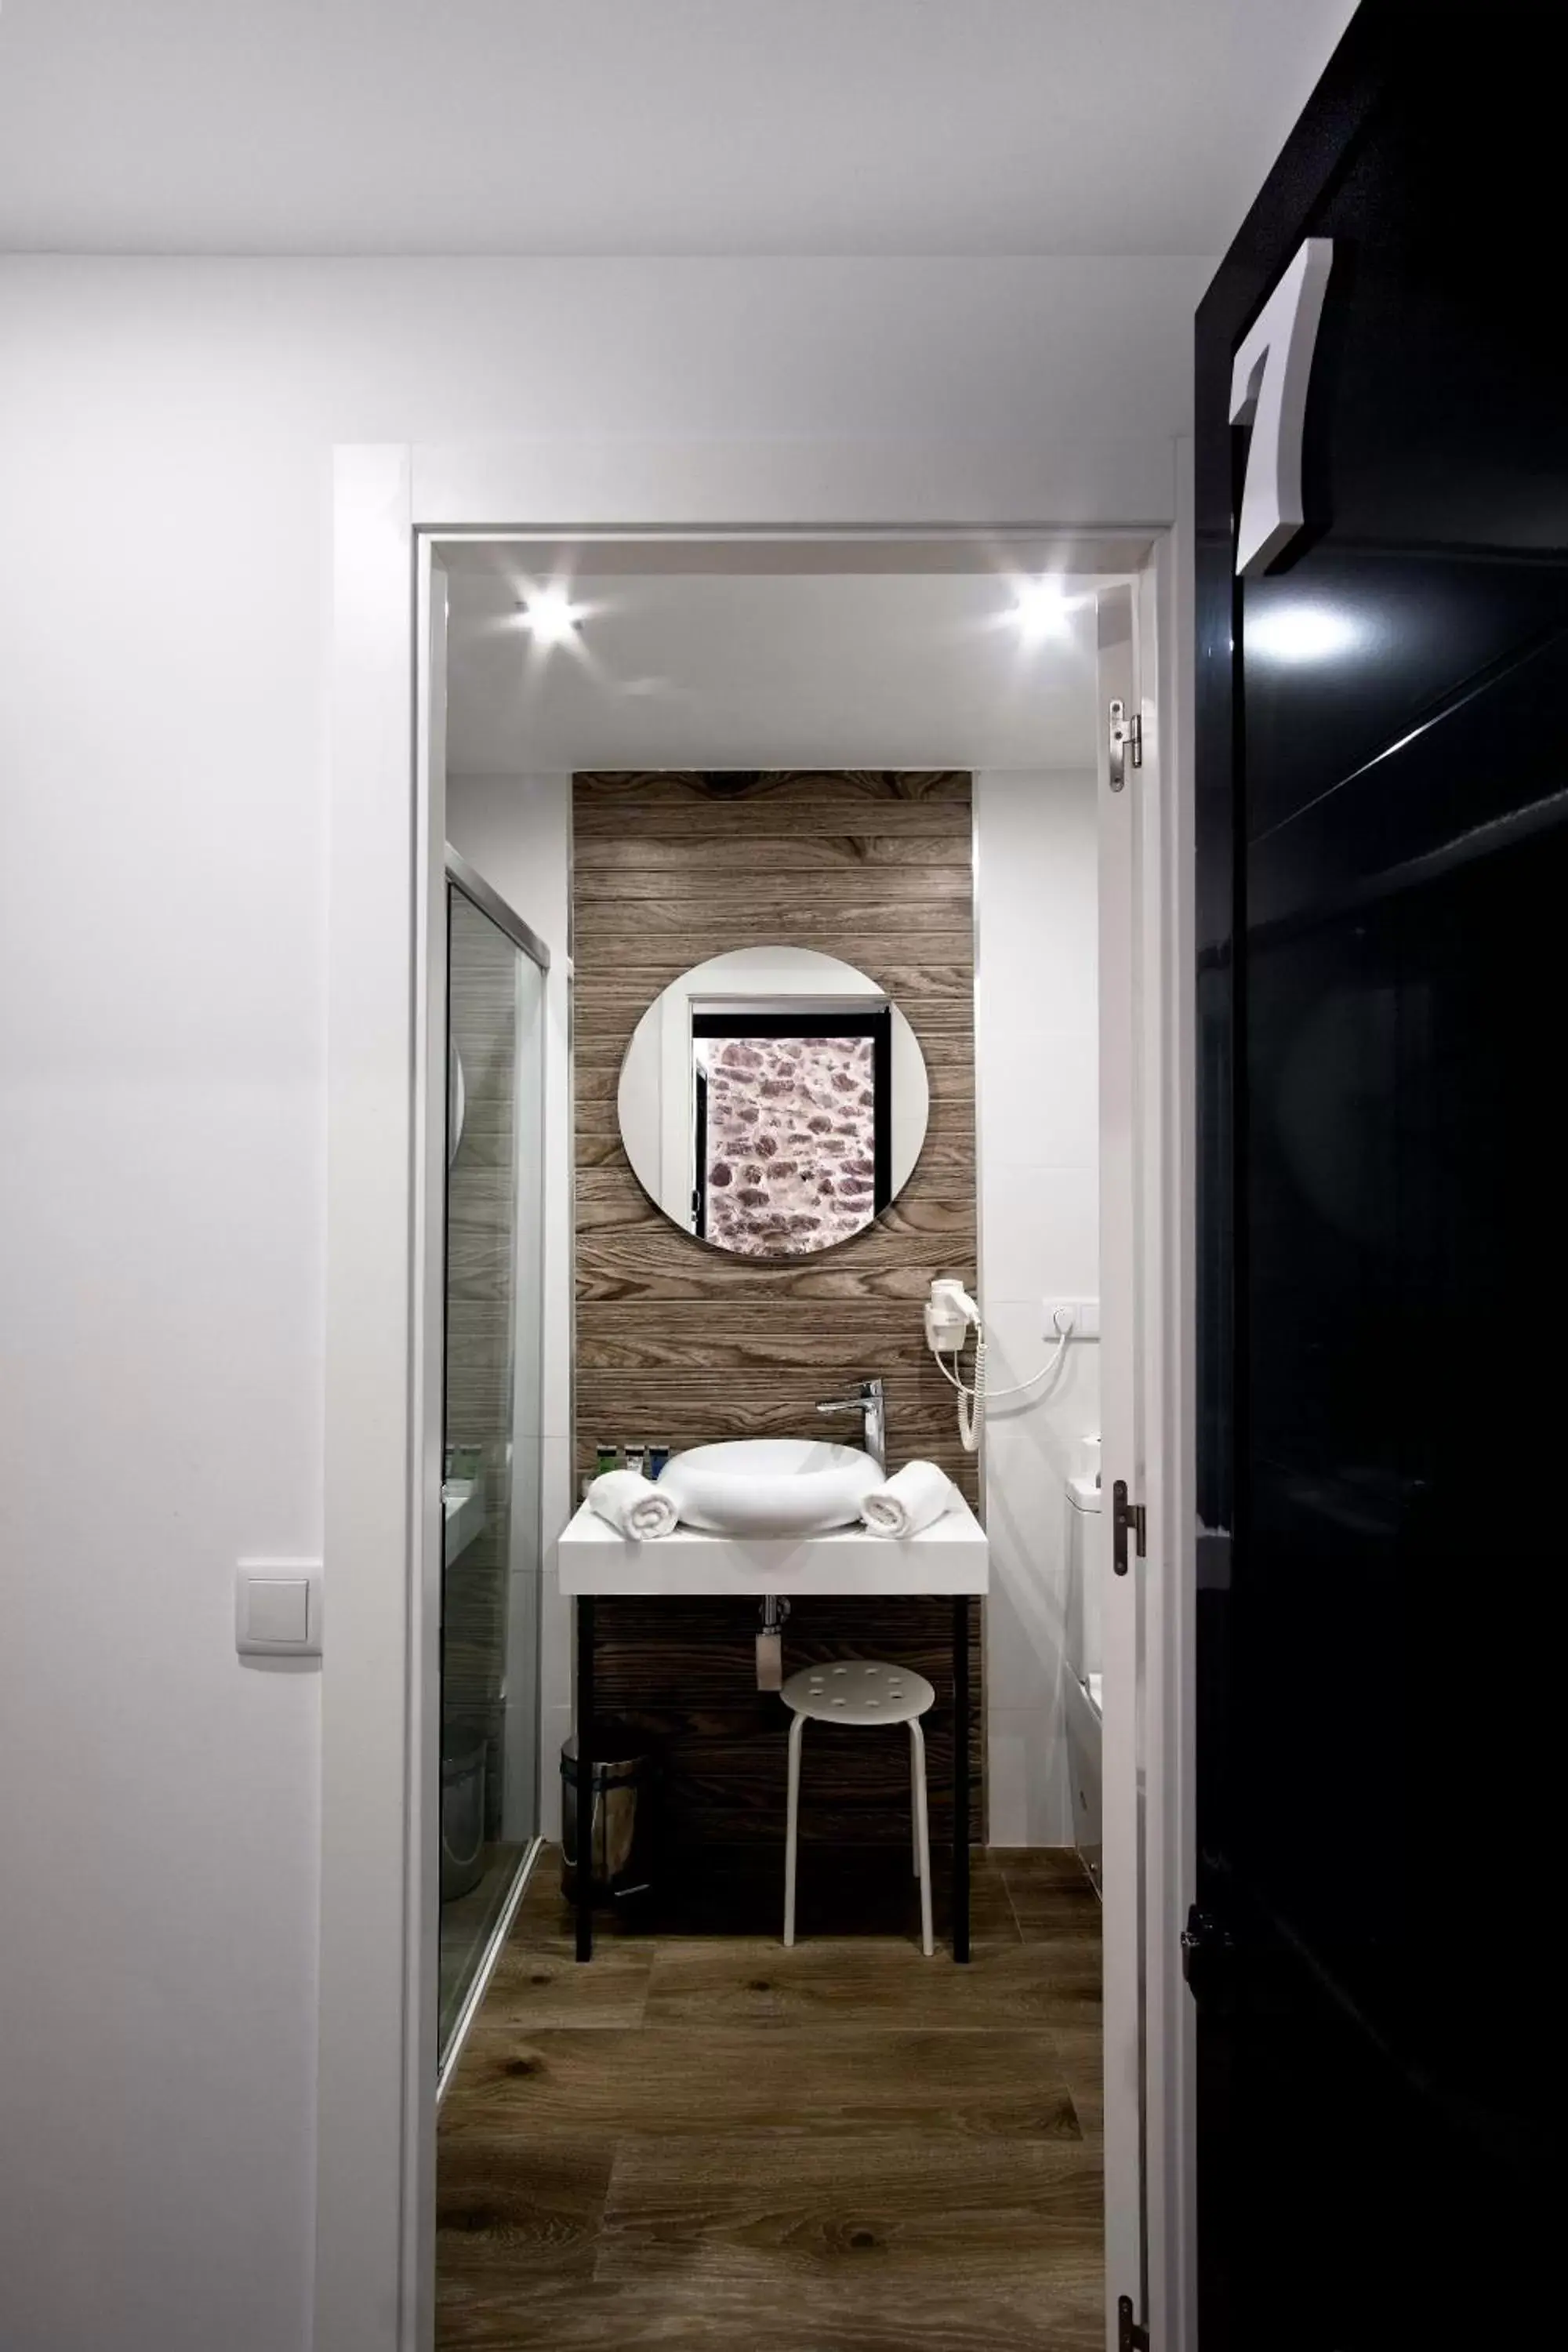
517	830
166	430
1036	1045
162	978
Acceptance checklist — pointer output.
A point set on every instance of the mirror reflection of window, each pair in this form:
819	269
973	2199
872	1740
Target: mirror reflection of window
791	1118
773	1101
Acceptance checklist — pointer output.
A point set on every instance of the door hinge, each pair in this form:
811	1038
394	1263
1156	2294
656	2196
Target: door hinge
1126	742
1126	1519
1132	2335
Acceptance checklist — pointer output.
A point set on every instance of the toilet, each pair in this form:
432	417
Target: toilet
1081	1669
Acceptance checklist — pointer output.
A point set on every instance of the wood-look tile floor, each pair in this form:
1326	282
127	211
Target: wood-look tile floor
704	2140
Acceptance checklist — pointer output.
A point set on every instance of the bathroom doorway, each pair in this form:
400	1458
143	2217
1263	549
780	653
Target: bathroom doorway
1035	1890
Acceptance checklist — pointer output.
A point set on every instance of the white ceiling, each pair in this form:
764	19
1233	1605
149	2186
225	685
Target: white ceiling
906	127
875	670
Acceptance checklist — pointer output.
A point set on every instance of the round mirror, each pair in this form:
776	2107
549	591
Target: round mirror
774	1101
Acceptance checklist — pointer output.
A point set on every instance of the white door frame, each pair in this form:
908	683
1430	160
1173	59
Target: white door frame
376	2097
1122	800
1147	1221
1167	1130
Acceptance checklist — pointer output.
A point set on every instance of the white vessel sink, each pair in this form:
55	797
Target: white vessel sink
770	1485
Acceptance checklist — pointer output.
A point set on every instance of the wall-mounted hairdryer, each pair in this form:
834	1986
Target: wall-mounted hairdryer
948	1312
949	1316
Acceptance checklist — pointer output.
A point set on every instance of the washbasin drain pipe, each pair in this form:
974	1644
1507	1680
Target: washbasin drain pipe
770	1642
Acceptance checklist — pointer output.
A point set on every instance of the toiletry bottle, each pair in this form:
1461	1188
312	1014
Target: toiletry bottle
658	1455
607	1457
635	1457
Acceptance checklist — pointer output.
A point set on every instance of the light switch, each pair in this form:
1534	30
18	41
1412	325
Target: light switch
278	1608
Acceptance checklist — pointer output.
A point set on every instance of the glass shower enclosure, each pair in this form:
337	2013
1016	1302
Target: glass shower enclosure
491	1495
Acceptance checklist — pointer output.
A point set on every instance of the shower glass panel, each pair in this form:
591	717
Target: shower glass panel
490	1579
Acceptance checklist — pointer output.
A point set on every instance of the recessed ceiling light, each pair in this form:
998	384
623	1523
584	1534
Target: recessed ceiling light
1301	633
551	616
1041	608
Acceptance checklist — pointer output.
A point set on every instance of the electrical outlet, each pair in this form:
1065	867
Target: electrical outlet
1085	1313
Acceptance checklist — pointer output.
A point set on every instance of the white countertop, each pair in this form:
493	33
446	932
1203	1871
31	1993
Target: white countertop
950	1556
463	1509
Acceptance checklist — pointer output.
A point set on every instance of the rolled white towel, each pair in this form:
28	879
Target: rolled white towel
918	1493
633	1504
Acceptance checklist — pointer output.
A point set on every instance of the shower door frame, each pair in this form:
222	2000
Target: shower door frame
393	505
489	902
486	900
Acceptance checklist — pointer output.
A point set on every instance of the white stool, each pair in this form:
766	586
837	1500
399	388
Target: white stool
859	1692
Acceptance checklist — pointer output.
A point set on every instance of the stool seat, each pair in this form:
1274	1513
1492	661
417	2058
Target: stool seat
859	1692
864	1692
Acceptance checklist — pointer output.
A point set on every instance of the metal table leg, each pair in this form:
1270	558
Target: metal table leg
960	1777
584	1777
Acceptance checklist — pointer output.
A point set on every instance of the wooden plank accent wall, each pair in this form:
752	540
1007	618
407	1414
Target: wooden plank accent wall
684	1344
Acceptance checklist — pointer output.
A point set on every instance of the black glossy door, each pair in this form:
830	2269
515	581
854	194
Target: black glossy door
1384	1286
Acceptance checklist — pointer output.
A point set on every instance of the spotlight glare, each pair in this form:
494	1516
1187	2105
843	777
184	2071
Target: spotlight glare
1041	609
551	616
1301	633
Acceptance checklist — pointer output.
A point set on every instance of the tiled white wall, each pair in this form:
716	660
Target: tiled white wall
1038	1052
517	830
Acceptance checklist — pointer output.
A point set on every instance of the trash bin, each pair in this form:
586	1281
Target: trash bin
462	1811
621	1838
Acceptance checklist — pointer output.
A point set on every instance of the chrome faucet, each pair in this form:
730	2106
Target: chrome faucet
868	1399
